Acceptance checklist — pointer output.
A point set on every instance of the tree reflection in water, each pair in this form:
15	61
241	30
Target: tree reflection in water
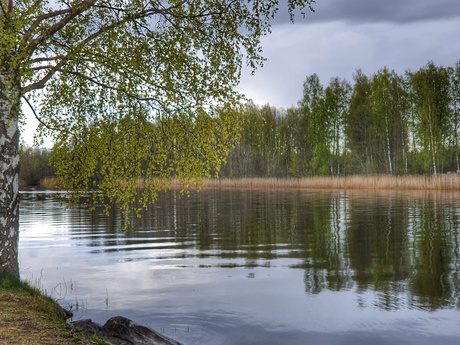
403	246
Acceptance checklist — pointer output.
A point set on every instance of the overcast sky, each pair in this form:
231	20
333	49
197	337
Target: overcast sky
343	35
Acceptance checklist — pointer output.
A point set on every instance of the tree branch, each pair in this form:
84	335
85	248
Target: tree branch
45	59
40	19
36	115
71	14
42	82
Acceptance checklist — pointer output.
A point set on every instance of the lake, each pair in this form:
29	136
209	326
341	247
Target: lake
257	267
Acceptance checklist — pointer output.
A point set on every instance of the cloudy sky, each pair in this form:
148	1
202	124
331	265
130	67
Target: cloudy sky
343	35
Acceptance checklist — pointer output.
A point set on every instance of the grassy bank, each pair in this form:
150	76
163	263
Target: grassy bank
440	182
27	317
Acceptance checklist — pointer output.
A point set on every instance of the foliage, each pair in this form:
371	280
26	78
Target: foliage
98	340
382	124
118	157
133	90
358	125
372	126
430	87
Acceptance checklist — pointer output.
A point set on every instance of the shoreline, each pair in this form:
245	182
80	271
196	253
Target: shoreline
28	316
439	182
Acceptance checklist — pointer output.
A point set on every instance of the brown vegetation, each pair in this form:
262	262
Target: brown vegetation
448	182
370	182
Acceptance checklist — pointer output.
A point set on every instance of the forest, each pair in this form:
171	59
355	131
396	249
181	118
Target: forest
384	123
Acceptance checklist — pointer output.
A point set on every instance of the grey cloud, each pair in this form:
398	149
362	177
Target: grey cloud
369	11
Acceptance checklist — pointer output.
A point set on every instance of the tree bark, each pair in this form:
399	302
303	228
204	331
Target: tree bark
9	176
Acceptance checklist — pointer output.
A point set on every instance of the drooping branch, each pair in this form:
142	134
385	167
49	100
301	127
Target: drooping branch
36	115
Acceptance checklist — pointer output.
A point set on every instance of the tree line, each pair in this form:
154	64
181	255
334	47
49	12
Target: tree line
35	165
384	123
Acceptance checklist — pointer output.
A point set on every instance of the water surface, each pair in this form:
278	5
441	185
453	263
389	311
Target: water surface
257	267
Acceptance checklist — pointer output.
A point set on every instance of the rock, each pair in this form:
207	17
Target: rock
122	331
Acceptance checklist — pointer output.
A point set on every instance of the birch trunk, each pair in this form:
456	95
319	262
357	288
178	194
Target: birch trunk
9	177
387	135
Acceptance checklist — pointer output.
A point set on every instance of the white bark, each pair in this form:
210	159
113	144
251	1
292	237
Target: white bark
9	177
387	134
432	141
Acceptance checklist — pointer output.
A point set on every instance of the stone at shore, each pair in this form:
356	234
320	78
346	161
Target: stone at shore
122	331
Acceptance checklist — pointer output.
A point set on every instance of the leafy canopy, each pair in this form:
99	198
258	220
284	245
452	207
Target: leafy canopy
134	89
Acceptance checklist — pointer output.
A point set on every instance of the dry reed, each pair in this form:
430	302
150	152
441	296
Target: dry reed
48	182
447	182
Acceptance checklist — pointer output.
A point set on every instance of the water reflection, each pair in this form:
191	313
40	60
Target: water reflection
402	248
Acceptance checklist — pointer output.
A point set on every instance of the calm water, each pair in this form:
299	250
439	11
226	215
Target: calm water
258	267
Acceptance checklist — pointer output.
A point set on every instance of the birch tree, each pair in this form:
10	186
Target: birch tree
455	108
316	125
389	105
336	106
115	67
358	126
430	87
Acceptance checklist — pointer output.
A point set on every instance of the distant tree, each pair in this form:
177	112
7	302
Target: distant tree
431	95
316	125
325	112
112	64
258	146
388	103
336	106
269	140
455	107
35	164
358	124
291	143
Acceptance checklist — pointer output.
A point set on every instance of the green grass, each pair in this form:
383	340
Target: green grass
9	282
41	302
99	341
28	317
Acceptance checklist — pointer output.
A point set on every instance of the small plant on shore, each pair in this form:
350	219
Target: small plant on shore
98	340
78	333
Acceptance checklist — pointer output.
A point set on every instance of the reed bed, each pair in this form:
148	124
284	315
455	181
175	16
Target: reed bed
448	182
440	182
49	182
